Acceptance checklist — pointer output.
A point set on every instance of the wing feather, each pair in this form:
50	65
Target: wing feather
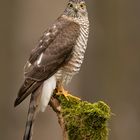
54	53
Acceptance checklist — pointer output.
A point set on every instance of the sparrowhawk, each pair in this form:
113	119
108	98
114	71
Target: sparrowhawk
56	59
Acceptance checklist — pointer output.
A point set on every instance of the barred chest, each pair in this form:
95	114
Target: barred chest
66	73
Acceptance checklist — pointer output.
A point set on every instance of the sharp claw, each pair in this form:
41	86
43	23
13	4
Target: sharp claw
66	97
62	91
65	94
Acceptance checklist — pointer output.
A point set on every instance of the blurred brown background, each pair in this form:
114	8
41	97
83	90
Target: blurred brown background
111	70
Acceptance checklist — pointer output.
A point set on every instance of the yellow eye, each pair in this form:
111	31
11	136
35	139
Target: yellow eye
82	5
70	5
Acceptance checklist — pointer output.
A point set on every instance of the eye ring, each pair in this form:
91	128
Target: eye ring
82	5
70	5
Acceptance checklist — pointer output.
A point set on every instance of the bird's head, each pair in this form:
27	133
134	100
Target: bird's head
76	9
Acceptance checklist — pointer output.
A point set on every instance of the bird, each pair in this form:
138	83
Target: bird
57	57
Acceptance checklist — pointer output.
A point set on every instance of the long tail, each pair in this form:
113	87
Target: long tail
32	112
39	101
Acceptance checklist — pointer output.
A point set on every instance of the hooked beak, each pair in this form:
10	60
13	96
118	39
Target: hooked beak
76	9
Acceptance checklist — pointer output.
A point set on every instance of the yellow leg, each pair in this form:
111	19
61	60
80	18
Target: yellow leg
62	91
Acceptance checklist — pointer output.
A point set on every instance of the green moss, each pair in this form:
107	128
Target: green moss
83	120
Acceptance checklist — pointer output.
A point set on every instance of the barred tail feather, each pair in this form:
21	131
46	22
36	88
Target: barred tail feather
29	125
39	101
32	112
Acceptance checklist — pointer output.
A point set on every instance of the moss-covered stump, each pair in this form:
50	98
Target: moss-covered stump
82	120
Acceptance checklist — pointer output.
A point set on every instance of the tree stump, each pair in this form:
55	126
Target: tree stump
81	120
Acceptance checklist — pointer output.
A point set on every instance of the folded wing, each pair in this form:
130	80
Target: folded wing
54	51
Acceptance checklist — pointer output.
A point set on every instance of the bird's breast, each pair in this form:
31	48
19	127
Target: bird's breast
66	73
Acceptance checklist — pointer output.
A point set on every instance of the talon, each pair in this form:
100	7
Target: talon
61	91
64	94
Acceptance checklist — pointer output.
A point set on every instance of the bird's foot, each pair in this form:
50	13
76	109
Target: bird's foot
66	94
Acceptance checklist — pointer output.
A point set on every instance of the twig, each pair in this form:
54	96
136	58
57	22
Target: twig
55	104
